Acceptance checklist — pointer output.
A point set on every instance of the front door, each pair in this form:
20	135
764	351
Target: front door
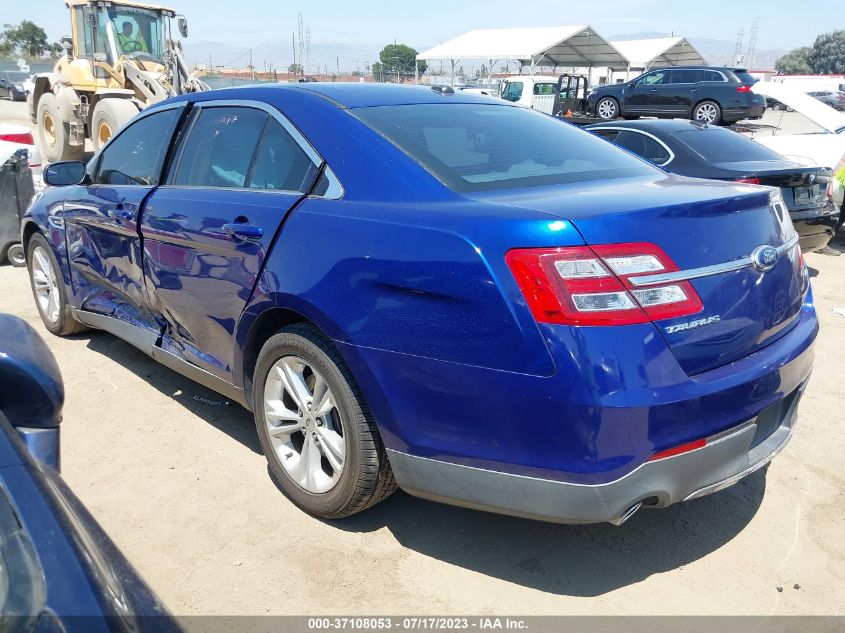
644	96
101	218
207	231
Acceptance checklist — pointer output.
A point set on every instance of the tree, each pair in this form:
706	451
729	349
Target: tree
56	50
796	62
296	69
400	57
29	39
828	53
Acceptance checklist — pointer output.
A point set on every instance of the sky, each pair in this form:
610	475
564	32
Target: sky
425	24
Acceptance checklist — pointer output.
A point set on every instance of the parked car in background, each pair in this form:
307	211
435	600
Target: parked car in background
11	89
824	145
58	570
536	92
711	94
833	98
698	150
513	316
15	137
776	105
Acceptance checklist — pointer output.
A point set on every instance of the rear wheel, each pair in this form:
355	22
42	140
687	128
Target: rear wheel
320	440
109	116
707	112
16	256
53	132
48	288
607	108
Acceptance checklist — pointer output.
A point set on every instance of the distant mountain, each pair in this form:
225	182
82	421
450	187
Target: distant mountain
280	55
715	51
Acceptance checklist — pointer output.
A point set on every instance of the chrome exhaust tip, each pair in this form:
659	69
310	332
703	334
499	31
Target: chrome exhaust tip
627	514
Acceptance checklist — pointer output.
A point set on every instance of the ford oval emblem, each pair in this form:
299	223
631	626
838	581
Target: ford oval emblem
764	257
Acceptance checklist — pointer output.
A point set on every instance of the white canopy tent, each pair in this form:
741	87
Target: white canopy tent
659	53
566	46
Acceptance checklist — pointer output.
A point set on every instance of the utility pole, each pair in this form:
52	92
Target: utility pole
751	60
301	42
737	60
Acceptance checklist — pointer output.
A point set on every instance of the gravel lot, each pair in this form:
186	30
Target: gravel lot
182	488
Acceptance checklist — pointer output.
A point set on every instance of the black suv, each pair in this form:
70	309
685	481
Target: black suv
710	94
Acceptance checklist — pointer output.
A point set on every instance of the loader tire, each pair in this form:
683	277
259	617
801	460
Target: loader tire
54	133
109	116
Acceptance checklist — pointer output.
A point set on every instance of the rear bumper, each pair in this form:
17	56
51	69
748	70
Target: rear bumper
815	228
722	462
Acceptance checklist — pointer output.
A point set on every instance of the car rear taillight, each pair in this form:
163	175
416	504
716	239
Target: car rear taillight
591	285
748	181
743	89
23	139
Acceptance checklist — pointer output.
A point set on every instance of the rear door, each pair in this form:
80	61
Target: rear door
101	219
677	96
239	170
645	95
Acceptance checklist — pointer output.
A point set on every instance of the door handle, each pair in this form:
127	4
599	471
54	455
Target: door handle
654	90
243	231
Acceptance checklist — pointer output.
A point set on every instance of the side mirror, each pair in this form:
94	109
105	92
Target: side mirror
63	174
183	26
31	389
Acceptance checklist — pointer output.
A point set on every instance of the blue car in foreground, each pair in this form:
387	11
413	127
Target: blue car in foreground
478	303
59	572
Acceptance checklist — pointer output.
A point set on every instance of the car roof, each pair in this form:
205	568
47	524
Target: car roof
348	94
668	126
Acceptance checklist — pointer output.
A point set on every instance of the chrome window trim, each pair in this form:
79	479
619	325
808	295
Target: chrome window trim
651	136
706	271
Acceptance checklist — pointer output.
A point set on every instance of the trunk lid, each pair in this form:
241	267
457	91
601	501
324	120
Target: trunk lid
697	223
802	187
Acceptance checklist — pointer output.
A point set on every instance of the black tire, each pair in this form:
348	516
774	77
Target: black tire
109	116
16	256
54	132
607	109
366	477
64	324
708	105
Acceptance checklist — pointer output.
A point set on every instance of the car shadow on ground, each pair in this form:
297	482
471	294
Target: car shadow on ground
232	419
573	560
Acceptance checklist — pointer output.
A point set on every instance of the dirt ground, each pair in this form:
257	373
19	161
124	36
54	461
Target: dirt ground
182	488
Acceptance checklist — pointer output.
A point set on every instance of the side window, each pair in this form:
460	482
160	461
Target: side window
513	91
687	76
280	163
219	147
712	75
136	156
644	146
544	89
654	79
609	135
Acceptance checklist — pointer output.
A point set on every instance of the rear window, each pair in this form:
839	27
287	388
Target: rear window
745	77
472	147
716	145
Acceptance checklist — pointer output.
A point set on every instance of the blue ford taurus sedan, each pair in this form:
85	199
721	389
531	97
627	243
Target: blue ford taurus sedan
478	303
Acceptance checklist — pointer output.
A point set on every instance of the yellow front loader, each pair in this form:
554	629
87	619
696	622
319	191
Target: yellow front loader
120	58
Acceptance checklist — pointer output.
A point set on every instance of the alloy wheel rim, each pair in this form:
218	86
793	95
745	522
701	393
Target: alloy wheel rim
304	424
707	113
607	109
46	285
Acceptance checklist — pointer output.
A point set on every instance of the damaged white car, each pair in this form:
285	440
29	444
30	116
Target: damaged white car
814	134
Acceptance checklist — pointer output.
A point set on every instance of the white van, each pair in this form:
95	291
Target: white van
531	91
